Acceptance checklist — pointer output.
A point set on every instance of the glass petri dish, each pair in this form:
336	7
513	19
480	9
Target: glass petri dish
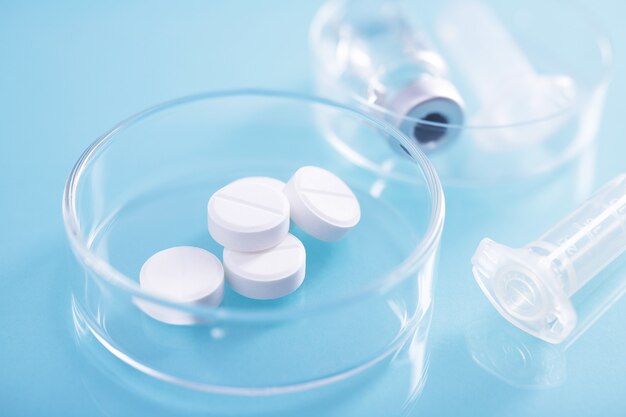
567	63
144	185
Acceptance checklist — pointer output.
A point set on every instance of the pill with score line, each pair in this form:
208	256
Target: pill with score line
322	204
248	216
183	274
268	274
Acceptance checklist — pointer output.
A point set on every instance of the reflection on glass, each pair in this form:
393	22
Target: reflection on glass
513	356
507	87
391	388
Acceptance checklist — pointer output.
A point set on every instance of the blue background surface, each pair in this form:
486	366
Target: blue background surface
70	71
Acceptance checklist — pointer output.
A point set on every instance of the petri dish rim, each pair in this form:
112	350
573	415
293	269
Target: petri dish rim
103	269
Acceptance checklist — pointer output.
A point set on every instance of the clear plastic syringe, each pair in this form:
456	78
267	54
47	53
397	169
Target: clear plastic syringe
531	286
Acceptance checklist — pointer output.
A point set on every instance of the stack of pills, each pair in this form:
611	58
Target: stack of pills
250	217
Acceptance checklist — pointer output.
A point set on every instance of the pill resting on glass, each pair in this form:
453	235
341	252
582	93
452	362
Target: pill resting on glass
267	274
183	274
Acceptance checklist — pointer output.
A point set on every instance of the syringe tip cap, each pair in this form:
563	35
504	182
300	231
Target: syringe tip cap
523	290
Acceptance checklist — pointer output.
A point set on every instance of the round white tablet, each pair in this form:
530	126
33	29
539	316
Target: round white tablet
321	203
278	185
268	274
183	274
248	216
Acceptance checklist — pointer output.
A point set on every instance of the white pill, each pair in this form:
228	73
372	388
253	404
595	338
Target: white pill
247	216
184	274
321	203
267	274
269	181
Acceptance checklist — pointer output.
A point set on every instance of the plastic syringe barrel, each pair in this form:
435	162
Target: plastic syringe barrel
591	237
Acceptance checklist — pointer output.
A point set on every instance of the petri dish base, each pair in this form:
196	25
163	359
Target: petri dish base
143	187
